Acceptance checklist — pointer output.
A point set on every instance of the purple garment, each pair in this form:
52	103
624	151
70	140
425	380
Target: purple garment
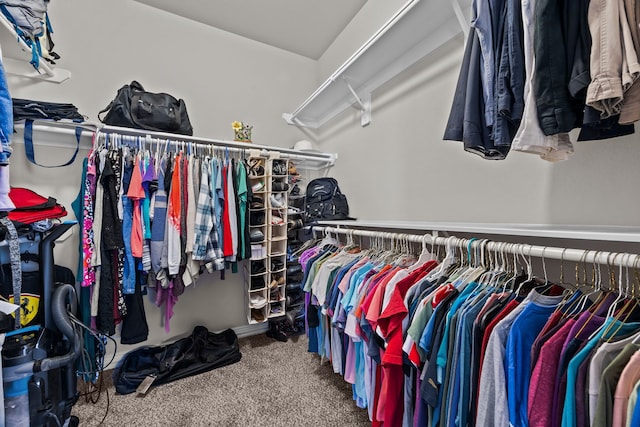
350	363
147	177
572	345
582	407
307	255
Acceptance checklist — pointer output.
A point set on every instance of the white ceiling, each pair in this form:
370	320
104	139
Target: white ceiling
305	27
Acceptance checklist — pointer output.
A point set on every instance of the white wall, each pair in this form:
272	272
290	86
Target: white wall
221	77
400	168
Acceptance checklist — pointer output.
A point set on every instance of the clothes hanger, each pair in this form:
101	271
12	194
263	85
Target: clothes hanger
598	282
574	308
448	260
465	262
390	255
475	269
529	281
348	242
400	251
545	287
626	309
488	257
513	248
501	268
572	293
511	267
425	254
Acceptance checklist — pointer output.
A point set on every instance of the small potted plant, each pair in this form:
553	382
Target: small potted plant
241	131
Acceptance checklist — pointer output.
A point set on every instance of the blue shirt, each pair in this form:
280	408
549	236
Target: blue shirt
464	363
523	333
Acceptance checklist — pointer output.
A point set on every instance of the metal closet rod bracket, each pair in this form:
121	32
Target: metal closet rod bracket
363	101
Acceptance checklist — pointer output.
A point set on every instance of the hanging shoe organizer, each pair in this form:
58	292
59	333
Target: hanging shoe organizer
266	273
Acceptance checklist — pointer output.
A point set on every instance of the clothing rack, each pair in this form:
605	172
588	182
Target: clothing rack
618	259
312	159
320	159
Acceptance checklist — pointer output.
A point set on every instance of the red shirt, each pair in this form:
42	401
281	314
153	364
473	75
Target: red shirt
227	240
390	322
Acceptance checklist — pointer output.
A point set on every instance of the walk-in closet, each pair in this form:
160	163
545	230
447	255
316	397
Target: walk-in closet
396	213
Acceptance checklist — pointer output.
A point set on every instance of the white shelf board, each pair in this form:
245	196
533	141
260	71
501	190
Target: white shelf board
417	29
577	232
16	55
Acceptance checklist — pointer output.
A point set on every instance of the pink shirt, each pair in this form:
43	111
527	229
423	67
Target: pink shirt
136	193
543	377
628	379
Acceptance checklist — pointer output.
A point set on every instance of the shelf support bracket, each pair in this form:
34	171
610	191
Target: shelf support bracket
462	19
364	103
292	120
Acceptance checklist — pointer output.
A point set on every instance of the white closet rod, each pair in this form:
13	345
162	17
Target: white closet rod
132	141
241	146
619	259
66	127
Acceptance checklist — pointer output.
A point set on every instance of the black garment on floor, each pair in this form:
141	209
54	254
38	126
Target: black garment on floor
200	352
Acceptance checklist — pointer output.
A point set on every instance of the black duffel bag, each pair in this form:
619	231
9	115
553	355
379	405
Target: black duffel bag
202	351
133	107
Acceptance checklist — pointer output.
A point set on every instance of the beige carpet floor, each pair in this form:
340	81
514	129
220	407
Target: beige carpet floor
275	384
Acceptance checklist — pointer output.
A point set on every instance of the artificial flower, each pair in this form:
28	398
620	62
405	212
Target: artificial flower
236	125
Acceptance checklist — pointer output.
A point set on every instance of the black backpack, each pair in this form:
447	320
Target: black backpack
325	201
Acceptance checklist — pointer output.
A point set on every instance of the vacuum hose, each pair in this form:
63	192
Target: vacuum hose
63	295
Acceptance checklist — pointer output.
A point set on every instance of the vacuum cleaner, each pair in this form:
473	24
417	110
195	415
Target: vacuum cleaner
38	362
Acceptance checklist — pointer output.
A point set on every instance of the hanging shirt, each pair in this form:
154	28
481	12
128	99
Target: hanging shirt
603	356
463	387
543	377
493	408
159	219
191	203
227	240
202	247
554	323
136	194
611	328
518	354
192	266
129	273
530	138
97	213
586	324
390	323
244	251
633	416
319	284
611	39
183	177
88	272
148	177
173	230
609	379
214	249
628	379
